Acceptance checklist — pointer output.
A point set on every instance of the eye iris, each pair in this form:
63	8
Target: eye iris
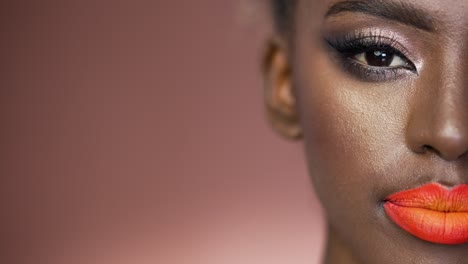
379	58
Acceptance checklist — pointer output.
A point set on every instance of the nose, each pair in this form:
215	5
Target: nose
438	122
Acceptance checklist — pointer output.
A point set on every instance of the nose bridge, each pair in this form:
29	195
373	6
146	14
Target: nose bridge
439	118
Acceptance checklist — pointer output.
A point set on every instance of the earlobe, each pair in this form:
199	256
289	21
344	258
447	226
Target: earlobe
279	95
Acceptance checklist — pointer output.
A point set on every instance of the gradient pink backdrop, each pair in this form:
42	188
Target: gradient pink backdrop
134	132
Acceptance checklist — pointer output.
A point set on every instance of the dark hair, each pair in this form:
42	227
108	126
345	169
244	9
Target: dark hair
282	13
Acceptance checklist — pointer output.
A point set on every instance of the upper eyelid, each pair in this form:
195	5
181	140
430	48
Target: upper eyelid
371	34
365	41
379	40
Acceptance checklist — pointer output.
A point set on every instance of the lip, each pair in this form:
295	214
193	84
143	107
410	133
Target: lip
432	213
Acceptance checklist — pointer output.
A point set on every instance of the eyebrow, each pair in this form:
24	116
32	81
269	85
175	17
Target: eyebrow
398	11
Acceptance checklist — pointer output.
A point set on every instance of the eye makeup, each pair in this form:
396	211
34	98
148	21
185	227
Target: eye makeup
371	55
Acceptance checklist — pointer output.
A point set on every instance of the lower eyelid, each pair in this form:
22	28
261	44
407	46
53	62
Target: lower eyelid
372	74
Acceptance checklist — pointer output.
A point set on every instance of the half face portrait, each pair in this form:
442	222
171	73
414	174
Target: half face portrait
377	92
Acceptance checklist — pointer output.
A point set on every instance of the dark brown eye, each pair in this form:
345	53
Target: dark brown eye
380	58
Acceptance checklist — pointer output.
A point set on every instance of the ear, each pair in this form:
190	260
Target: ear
279	95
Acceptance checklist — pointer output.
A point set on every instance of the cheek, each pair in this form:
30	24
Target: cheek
354	137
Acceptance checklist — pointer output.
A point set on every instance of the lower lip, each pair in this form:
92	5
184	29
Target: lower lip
432	213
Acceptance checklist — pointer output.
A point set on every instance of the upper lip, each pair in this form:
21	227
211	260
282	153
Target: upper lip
433	196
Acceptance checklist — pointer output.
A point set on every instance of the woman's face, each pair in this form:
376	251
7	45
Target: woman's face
378	90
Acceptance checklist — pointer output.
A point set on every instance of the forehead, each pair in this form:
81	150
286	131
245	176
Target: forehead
428	4
445	15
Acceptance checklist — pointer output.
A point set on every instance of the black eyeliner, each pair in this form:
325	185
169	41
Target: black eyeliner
348	45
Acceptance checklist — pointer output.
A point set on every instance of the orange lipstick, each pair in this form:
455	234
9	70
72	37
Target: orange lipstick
432	213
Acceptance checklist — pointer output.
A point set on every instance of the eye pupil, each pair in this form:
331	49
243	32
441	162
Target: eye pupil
379	58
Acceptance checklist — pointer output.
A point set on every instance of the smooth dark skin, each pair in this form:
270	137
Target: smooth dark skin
367	140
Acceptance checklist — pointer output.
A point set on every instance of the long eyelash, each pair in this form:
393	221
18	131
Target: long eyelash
365	40
357	42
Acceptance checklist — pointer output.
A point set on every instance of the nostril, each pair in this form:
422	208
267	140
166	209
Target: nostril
429	148
447	152
441	135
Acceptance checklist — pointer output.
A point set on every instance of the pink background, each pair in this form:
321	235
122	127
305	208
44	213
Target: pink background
134	132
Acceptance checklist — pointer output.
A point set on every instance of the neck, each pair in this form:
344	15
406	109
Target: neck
337	251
